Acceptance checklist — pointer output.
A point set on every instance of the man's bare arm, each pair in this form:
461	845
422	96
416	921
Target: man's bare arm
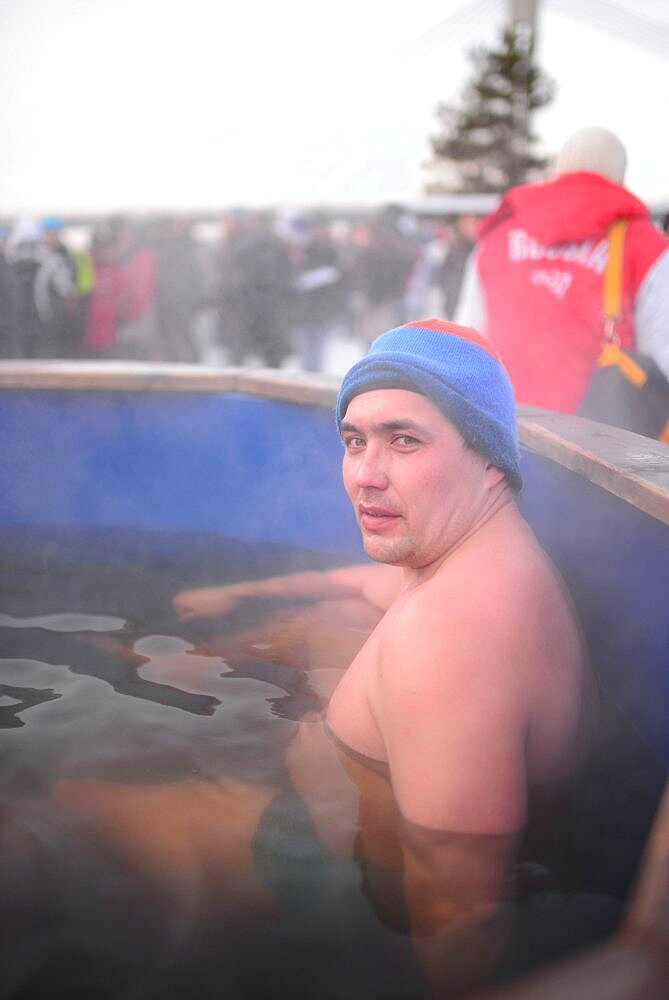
459	678
453	715
453	885
375	583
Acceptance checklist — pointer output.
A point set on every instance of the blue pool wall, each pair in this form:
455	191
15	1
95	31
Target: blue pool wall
268	471
257	469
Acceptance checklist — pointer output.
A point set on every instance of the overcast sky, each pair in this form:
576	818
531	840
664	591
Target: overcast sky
144	104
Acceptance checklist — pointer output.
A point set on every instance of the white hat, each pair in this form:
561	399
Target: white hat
25	231
596	149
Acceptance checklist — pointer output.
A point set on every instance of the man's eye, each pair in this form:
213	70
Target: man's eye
405	440
354	442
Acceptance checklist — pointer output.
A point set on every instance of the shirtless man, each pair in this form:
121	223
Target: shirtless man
464	699
470	687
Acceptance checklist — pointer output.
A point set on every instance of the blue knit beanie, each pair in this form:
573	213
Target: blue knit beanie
458	369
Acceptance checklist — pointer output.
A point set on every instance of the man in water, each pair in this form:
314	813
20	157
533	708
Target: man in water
469	691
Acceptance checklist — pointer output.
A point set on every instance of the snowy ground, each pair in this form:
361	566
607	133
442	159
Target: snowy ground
342	350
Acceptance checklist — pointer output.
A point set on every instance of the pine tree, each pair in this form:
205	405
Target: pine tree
488	140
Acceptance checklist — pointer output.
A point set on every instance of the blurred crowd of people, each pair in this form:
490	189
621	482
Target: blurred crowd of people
251	287
280	288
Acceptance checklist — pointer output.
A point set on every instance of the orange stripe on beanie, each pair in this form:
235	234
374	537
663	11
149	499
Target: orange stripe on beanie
466	332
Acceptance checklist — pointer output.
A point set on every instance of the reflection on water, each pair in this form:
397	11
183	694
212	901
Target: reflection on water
14	700
64	622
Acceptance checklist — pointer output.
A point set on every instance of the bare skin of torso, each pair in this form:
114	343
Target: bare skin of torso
449	669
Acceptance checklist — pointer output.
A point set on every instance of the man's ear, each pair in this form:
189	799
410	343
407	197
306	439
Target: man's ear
493	475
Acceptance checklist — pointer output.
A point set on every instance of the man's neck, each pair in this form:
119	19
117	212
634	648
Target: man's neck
500	506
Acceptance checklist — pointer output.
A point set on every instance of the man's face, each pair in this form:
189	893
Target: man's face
415	488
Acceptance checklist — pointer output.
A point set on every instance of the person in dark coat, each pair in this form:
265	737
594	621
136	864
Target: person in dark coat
10	340
256	293
383	264
452	270
45	293
321	293
179	291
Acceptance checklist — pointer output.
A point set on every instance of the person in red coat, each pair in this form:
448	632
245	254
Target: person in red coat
534	282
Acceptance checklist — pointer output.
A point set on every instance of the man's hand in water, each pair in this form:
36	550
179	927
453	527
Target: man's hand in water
208	601
375	584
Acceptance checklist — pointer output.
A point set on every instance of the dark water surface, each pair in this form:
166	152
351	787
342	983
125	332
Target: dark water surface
119	725
104	693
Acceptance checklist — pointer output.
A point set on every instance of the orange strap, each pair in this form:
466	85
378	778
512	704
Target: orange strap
664	434
613	277
612	354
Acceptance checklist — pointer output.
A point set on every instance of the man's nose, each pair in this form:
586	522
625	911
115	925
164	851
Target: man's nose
371	468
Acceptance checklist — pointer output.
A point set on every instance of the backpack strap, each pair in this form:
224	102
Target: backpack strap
613	278
612	353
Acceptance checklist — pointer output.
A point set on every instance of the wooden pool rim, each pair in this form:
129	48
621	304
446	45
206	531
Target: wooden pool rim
634	962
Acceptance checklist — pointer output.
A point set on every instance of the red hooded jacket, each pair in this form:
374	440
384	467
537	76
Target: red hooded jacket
541	260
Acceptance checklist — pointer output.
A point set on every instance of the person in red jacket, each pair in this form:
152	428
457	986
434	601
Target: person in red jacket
535	279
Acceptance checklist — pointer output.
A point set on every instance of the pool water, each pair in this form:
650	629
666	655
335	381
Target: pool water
152	843
118	726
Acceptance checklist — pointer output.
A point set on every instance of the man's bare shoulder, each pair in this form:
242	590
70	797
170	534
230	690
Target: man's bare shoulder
497	600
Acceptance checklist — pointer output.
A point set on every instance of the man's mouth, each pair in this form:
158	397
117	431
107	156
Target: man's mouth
373	518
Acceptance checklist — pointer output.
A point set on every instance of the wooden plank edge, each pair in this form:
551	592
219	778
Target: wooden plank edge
630	466
85	376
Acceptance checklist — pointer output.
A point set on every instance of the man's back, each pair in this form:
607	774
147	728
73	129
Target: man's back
471	685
